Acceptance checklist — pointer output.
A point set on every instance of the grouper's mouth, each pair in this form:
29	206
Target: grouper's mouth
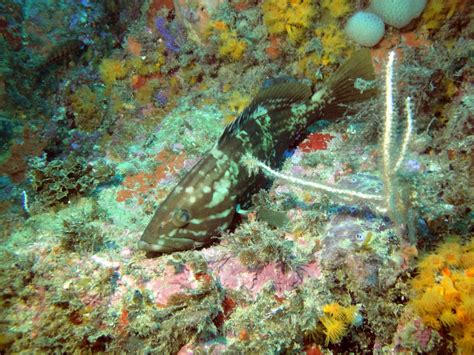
166	246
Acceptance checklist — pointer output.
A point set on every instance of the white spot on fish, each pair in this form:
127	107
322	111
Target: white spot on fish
197	233
318	96
172	233
259	111
220	215
221	191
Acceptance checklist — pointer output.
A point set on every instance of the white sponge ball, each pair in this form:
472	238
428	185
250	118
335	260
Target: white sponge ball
365	28
397	13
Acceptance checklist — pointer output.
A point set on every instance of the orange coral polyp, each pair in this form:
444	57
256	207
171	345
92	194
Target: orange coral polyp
432	262
334	309
219	25
350	313
290	16
466	343
468	305
448	318
467	260
451	253
470	272
336	320
432	300
423	280
446	272
231	46
334	329
337	8
431	321
451	295
446	298
461	315
112	70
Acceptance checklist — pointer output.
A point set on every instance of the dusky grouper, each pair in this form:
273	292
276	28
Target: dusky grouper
204	202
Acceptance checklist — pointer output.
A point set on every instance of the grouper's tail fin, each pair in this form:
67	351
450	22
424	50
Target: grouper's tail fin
341	89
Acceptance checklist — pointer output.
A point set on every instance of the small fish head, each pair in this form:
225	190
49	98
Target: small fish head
195	211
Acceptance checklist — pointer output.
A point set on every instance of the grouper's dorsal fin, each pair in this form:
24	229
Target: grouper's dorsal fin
286	93
274	98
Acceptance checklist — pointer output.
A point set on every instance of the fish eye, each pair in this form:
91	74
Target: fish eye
180	217
360	237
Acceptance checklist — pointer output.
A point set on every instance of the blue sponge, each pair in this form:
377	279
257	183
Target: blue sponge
365	28
397	13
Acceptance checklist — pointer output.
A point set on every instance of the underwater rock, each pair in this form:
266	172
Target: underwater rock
211	347
415	336
348	245
172	283
238	277
231	274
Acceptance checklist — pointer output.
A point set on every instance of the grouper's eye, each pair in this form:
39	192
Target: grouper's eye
180	217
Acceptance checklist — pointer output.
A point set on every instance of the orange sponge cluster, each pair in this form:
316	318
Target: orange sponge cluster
443	292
